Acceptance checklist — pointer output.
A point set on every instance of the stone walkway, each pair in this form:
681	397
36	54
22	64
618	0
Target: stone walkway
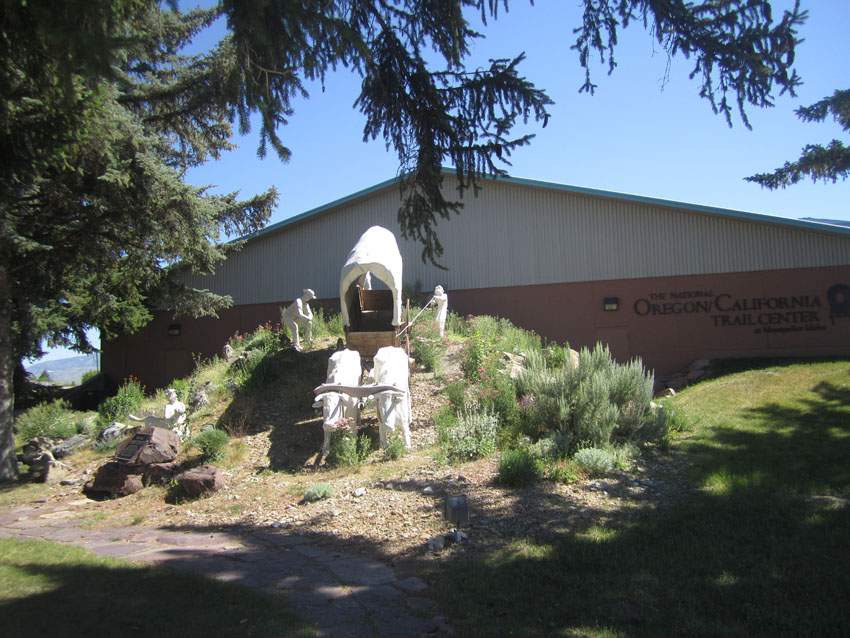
343	595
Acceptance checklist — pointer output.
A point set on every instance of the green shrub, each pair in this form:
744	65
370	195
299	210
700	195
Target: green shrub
562	470
556	356
518	468
54	418
268	338
128	400
626	456
444	420
347	448
486	327
676	420
497	394
553	445
426	345
474	436
318	492
455	392
329	325
598	402
88	375
254	371
456	325
395	448
211	443
594	415
594	460
517	340
182	388
472	363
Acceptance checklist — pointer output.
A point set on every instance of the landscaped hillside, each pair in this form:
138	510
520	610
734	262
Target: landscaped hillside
589	514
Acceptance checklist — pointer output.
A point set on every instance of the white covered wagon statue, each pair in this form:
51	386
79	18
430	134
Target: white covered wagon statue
372	318
373	324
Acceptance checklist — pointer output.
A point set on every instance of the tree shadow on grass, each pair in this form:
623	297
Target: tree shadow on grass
802	448
96	597
761	550
719	565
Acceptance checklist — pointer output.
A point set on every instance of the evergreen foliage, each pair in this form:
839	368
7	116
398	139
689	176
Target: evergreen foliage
817	162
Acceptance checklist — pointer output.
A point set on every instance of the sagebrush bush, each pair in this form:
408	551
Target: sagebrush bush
211	443
553	445
318	492
597	403
595	460
472	437
54	418
518	468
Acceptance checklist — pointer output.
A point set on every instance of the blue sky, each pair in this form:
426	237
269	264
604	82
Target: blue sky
638	134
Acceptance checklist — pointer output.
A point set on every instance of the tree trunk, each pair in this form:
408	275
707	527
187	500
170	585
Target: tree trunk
8	462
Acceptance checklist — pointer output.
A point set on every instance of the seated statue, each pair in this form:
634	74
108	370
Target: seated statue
173	416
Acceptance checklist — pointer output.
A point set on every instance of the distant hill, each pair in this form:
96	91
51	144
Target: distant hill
834	222
65	371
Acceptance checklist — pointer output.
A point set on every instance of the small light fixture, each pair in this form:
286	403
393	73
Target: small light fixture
174	329
611	303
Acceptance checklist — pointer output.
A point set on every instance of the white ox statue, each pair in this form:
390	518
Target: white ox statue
392	370
343	370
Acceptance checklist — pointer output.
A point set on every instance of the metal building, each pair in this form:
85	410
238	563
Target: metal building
666	281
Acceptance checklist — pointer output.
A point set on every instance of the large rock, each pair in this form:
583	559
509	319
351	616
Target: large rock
116	478
119	479
72	444
149	445
201	480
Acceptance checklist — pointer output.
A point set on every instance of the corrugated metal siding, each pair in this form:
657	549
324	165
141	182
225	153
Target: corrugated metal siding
514	234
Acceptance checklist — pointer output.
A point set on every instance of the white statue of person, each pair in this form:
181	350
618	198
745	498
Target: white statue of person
441	301
175	412
299	313
173	415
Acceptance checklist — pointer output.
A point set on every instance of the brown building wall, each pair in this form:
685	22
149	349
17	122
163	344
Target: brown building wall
667	321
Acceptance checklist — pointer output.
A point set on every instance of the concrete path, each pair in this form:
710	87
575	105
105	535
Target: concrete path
343	595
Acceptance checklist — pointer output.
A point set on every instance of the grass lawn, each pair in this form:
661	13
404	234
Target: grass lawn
48	589
762	548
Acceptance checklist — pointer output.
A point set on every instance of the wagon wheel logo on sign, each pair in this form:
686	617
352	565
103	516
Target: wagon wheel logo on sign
839	302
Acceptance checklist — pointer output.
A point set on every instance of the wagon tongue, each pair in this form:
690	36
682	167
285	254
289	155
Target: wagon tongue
358	391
